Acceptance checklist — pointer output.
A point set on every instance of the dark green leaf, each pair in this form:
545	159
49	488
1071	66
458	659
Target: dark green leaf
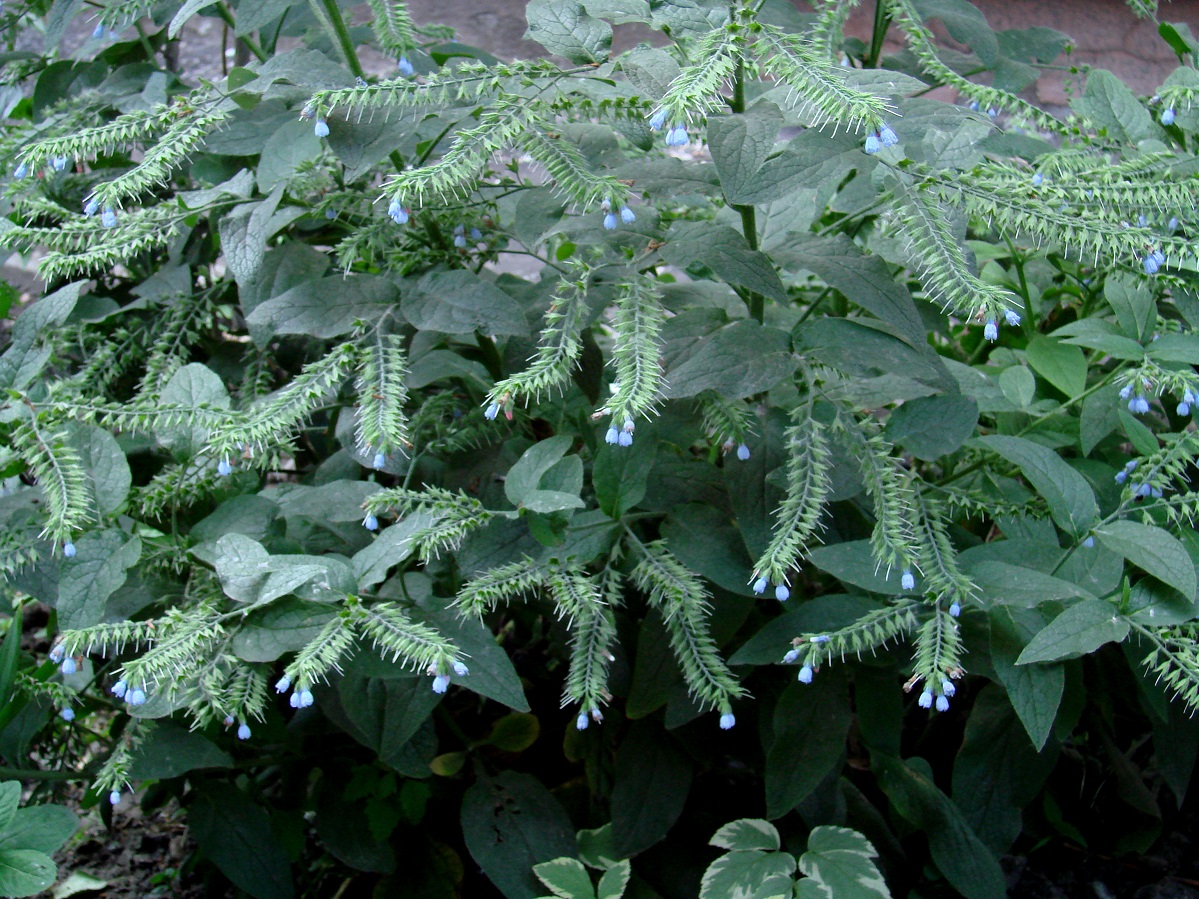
563	27
1153	550
1060	364
740	359
325	308
96	572
811	723
1070	498
962	858
41	828
235	834
1035	691
460	302
25	872
511	823
725	252
172	751
1078	631
933	426
652	779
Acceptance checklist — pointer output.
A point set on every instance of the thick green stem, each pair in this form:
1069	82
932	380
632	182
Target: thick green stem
749	216
328	12
882	19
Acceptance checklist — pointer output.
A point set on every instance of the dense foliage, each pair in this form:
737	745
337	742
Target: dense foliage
833	469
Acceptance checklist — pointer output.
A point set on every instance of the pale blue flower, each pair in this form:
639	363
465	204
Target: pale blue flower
991	331
610	222
441	683
405	67
627	215
760	585
460	669
1089	542
68	666
119	689
491	411
887	137
1038	179
612	436
371	523
108	218
114	798
791	656
136	697
743	453
243	731
379	461
322	128
224	468
805	674
67	714
90	207
1168	116
657	120
942	704
907	581
926	700
727	721
283	684
677	137
582	721
1011	317
625	438
948	688
68	549
782	593
873	145
955	609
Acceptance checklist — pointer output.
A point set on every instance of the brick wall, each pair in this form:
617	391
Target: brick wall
1105	32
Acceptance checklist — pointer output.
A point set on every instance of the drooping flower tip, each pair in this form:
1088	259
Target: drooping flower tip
119	689
791	656
224	468
476	235
405	67
21	172
441	683
228	721
627	215
760	585
908	581
955	609
321	128
820	638
460	236
136	697
1150	264
306	699
114	798
582	721
1089	543
782	593
1011	317
59	163
677	136
294	700
991	331
492	410
873	144
992	112
1125	391
1168	116
108	218
68	549
1038	179
97	33
926	700
1143	490
243	731
371	523
379	461
948	688
727	721
1172	225
887	137
657	120
398	213
1183	409
460	669
90	207
974	105
610	222
68	666
743	453
942	703
283	684
57	653
612	435
67	714
805	674
1138	405
625	438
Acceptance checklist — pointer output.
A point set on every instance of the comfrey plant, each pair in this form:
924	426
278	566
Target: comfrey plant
286	424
